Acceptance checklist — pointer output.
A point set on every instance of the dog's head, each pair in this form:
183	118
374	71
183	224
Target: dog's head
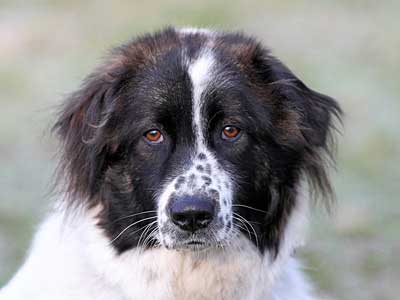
188	138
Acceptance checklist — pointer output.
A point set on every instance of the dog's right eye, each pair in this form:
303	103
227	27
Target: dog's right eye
154	136
230	133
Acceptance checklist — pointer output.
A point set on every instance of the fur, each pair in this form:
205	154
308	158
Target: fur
113	233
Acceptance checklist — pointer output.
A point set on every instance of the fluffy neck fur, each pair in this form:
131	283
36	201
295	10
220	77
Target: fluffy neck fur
71	259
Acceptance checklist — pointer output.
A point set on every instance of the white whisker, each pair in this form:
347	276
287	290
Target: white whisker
249	207
130	226
251	226
137	214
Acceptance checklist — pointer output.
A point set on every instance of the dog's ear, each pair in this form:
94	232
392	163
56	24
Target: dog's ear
320	114
85	134
305	120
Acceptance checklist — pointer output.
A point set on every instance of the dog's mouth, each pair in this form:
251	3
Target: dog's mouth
192	245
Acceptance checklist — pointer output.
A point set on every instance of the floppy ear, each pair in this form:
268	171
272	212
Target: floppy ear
306	121
318	127
86	138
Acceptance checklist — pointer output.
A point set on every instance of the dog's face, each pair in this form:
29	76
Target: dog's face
186	139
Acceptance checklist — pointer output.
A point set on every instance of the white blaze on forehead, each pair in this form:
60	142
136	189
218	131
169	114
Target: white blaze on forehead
200	72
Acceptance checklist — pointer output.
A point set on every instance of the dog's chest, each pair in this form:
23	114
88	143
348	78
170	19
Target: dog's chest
187	277
217	278
162	274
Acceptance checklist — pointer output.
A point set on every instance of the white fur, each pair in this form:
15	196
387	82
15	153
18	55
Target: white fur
200	72
71	259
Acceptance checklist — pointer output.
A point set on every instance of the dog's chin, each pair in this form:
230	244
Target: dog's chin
198	241
192	245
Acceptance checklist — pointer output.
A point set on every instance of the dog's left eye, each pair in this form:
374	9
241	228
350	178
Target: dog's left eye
230	133
154	136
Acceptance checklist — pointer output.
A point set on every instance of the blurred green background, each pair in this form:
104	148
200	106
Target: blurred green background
347	49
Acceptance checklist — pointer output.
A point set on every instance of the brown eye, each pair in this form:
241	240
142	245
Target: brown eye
154	136
230	132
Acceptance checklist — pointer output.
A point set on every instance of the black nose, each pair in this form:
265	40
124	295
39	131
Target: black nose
192	213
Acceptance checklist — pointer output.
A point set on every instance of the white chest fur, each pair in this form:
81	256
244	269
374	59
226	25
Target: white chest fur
71	259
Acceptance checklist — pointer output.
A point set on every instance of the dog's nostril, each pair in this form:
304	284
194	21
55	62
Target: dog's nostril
192	213
179	218
192	220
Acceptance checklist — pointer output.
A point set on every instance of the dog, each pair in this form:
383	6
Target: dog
184	163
